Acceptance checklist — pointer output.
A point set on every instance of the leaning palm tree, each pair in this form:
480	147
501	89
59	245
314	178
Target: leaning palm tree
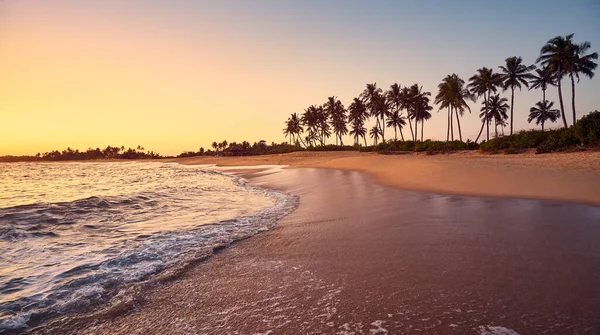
542	79
374	133
496	111
514	75
542	112
581	64
483	84
310	119
556	55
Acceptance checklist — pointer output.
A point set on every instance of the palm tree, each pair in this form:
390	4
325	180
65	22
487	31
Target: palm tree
395	97
581	64
357	116
323	124
556	55
453	95
374	133
336	110
514	75
444	99
496	110
405	103
542	112
310	119
483	84
370	97
396	121
542	79
215	145
419	107
293	129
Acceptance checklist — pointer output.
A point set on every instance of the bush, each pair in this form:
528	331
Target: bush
557	140
587	129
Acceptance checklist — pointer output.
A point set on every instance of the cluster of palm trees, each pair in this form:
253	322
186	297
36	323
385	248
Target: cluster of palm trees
560	57
386	107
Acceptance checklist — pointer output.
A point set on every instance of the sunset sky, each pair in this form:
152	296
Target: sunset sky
177	75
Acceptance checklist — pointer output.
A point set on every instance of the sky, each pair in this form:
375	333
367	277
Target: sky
175	76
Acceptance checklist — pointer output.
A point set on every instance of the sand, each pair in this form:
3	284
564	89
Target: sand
368	252
357	257
573	177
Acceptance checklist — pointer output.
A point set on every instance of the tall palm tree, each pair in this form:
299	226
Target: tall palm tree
483	84
406	104
556	55
581	64
496	110
357	114
336	110
444	99
374	133
515	74
370	97
310	119
382	110
542	79
323	124
542	112
419	107
395	96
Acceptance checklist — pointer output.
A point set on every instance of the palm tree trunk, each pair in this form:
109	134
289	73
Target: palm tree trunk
422	126
487	123
480	131
458	123
365	138
412	135
395	134
383	129
560	99
496	129
543	95
416	136
401	135
451	125
448	128
485	119
542	125
573	98
512	103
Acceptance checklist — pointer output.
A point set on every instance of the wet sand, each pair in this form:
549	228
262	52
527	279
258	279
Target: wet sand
357	257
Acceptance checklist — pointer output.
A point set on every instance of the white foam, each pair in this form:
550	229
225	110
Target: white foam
495	330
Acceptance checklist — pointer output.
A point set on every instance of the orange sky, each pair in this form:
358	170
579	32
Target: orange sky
174	78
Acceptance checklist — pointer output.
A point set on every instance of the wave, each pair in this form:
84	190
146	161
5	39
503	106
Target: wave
117	272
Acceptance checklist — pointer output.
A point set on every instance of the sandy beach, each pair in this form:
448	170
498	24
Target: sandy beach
573	177
359	256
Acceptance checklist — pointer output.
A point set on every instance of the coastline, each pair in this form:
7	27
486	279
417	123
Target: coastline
569	177
358	257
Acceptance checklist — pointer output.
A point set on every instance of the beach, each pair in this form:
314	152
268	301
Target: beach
360	256
573	177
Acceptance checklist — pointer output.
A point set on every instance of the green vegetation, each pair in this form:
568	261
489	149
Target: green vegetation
90	154
585	132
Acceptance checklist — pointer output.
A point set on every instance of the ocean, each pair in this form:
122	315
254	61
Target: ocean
75	236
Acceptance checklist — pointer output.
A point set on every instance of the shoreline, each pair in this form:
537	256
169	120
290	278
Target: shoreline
354	259
568	177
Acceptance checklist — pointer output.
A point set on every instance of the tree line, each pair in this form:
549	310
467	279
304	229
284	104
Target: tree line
109	152
561	57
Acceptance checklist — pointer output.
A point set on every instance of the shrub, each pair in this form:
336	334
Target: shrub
587	129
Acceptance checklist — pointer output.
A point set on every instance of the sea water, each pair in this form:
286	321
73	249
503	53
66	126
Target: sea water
74	235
